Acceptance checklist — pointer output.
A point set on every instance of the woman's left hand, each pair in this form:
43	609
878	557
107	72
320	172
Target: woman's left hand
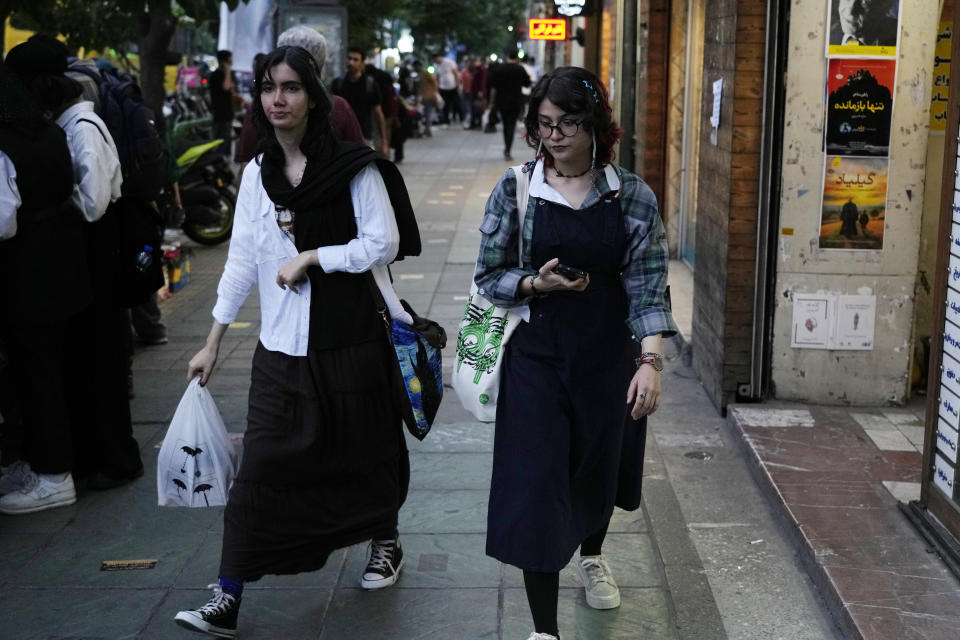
644	392
295	272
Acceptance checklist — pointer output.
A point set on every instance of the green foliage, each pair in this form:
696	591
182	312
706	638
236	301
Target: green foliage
480	26
105	24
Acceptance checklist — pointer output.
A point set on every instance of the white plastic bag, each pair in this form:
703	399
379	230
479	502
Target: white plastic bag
197	460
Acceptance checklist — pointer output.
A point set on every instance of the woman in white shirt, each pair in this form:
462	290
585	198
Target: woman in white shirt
324	460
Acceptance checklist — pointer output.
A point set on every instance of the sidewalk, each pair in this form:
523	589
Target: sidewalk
701	560
835	476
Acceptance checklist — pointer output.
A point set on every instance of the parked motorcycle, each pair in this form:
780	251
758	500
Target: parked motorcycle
206	193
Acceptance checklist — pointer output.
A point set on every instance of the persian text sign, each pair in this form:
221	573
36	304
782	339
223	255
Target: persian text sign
548	29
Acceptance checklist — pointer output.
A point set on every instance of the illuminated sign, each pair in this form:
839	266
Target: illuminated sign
570	7
548	29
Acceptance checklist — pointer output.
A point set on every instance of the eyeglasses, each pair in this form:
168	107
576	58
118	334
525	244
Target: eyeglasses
567	128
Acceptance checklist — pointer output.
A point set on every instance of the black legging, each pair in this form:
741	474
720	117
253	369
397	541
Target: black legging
509	117
543	589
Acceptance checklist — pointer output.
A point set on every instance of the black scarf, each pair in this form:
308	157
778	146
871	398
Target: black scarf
323	178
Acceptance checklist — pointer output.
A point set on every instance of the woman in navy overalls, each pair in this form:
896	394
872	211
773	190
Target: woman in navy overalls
573	377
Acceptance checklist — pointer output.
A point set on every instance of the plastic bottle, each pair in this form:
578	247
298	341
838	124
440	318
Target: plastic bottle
144	258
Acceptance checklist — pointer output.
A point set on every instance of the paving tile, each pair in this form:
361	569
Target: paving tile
903	491
79	613
643	613
457	437
412	614
17	551
431	561
891	440
444	512
450	471
879	623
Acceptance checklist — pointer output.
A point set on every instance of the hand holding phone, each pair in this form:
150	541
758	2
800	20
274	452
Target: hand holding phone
570	273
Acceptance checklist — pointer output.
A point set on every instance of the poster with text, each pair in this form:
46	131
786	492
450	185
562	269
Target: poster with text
939	97
854	203
863	27
859	106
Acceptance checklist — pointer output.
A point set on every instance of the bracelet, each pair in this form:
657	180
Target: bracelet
533	289
653	359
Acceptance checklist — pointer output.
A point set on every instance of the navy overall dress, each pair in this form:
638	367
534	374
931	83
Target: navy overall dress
562	404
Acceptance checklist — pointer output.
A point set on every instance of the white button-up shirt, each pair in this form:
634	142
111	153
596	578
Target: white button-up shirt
258	248
9	197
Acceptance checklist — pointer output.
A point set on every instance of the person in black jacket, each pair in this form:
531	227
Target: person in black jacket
43	291
506	96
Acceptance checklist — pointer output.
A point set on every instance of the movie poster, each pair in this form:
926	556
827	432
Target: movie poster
859	106
863	27
854	203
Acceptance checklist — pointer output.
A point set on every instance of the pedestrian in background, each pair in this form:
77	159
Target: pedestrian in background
466	94
224	98
569	381
429	95
44	289
107	454
448	81
360	90
325	464
506	97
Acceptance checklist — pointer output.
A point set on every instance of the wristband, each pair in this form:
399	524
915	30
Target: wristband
533	288
653	359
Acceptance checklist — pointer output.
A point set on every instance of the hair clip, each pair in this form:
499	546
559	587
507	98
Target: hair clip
596	98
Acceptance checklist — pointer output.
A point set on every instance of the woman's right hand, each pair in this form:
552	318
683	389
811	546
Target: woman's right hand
547	280
202	364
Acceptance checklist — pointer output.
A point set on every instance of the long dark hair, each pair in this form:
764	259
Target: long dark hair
318	136
575	90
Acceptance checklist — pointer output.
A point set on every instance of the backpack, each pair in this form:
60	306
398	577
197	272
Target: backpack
369	87
136	232
132	124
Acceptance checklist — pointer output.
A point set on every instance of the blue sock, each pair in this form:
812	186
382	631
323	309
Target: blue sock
233	587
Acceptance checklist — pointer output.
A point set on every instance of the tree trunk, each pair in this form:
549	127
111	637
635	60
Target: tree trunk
155	32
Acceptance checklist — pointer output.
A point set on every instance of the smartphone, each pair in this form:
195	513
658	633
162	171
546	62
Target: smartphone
570	273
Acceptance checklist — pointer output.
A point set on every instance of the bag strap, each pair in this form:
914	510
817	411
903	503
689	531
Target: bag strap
95	125
523	197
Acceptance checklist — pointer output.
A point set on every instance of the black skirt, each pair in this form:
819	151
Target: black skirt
325	464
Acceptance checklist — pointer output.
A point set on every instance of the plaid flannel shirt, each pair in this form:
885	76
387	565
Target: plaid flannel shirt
644	263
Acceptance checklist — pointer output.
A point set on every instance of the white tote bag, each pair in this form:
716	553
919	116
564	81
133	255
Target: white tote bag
482	335
197	460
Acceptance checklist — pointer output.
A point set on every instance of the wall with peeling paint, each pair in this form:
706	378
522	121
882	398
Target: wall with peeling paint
872	377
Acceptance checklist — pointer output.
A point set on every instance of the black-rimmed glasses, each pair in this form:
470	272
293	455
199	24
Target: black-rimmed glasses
567	128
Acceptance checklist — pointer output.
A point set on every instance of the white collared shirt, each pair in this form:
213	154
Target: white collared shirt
540	188
96	165
258	248
9	197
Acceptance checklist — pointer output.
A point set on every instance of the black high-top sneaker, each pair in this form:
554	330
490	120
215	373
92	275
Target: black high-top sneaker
218	617
383	568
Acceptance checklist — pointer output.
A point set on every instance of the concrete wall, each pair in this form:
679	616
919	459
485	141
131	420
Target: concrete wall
851	377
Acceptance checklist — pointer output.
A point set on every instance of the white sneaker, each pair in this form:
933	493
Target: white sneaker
13	477
42	491
542	636
602	591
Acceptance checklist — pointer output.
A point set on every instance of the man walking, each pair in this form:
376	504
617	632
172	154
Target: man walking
506	96
360	90
223	97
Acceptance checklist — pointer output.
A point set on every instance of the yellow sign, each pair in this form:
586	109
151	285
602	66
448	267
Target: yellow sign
941	78
548	29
